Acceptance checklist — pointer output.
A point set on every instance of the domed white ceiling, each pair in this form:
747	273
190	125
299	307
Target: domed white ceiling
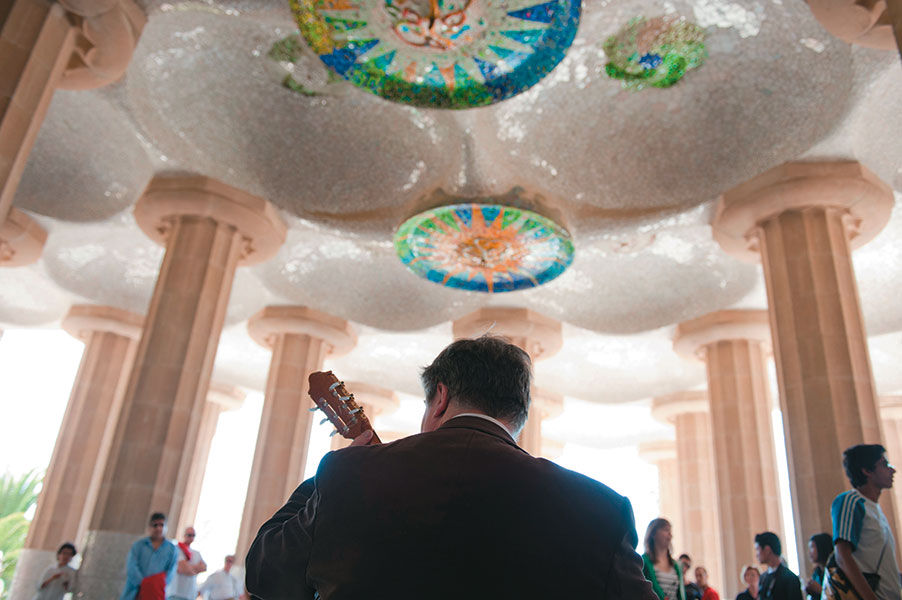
632	175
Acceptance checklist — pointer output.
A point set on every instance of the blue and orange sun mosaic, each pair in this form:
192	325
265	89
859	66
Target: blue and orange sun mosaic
484	247
440	53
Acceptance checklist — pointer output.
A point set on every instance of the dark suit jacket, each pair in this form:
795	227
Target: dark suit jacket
782	584
461	512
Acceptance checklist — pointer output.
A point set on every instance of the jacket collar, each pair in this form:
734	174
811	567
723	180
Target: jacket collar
480	424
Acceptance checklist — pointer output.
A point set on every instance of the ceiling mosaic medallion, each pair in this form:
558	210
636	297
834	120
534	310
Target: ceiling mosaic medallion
440	53
484	247
654	52
291	54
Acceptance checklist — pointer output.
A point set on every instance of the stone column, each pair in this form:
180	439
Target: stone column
539	336
545	405
733	344
72	44
663	454
220	398
375	401
700	535
803	219
869	23
894	9
390	435
21	239
300	339
552	449
208	229
73	477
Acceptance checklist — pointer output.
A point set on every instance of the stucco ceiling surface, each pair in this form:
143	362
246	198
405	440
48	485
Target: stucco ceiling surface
632	175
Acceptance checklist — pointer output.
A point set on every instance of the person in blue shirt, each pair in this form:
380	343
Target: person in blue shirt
152	561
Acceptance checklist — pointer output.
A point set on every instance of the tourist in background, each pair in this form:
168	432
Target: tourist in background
701	580
59	579
664	573
692	590
820	545
184	584
151	563
749	575
222	585
777	582
864	546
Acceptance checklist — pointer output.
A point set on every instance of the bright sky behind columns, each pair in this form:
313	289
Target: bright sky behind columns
38	367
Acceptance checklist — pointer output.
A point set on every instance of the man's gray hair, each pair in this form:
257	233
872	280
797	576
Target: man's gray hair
487	373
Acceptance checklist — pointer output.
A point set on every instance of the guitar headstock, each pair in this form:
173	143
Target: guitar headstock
332	397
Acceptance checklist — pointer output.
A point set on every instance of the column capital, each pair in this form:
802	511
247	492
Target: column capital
667	408
273	321
538	335
84	319
862	22
107	34
692	336
891	407
21	239
168	197
550	404
845	185
658	450
383	401
226	397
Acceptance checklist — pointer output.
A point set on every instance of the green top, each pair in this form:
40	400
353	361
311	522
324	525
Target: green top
648	569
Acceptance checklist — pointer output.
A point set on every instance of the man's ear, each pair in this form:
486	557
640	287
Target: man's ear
440	401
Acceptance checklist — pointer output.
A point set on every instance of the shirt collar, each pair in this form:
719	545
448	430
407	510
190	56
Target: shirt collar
487	418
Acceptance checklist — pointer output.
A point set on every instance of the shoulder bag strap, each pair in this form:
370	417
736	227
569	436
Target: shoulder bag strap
882	552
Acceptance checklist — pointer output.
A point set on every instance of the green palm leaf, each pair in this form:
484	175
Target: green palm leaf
18	492
12	538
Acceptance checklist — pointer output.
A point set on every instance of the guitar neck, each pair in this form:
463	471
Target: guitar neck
337	403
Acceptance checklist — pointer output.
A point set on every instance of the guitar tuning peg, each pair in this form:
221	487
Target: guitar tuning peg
333	433
355	410
324	421
314	409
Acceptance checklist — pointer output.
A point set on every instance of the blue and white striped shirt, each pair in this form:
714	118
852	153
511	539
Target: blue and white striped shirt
848	512
861	522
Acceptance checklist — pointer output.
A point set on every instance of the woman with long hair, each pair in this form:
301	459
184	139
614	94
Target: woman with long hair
660	569
820	545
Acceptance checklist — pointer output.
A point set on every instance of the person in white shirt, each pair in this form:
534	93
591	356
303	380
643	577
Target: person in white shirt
222	585
57	580
184	584
863	541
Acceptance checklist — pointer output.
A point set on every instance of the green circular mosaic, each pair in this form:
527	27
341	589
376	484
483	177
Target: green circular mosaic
654	52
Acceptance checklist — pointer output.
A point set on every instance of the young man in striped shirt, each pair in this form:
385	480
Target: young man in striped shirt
862	538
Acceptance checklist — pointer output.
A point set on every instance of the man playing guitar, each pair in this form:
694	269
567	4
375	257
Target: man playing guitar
458	511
